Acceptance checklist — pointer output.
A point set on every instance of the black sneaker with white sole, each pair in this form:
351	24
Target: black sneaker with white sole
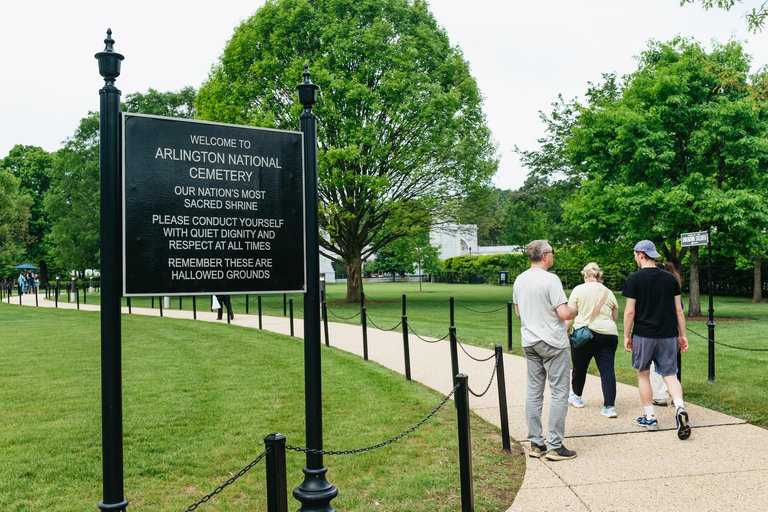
537	450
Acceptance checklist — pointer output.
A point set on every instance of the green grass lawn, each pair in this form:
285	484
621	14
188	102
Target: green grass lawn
198	400
480	318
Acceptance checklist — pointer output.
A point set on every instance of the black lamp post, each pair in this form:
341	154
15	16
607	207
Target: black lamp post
315	492
111	374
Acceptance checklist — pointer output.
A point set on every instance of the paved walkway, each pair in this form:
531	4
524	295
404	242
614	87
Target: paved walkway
620	467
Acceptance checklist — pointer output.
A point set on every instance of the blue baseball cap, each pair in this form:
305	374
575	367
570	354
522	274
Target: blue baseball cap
647	247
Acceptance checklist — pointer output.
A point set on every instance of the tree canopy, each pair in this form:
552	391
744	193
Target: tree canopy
402	136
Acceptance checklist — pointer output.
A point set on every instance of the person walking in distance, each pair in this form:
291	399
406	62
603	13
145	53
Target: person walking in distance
654	328
542	307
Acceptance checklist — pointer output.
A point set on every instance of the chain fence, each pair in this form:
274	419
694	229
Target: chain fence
342	317
482	312
380	328
380	445
228	482
410	328
725	344
471	356
493	375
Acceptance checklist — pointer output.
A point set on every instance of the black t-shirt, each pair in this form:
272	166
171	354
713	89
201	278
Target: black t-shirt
654	291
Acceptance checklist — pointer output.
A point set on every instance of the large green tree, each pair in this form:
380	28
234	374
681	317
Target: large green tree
14	218
402	136
683	140
32	165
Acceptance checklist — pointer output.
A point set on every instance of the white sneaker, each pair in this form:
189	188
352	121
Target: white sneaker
575	401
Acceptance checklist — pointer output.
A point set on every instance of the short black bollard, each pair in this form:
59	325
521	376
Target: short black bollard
406	348
277	486
246	304
465	444
404	313
85	294
325	323
20	295
454	354
56	298
77	296
194	307
290	304
284	301
129	305
180	297
36	303
160	302
502	386
364	320
153	302
259	301
509	326
451	312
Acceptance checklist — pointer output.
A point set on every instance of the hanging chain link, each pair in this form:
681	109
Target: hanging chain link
385	443
725	344
495	366
379	328
230	481
481	312
471	357
341	317
426	340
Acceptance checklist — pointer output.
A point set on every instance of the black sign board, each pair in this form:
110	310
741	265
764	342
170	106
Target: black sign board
211	208
695	238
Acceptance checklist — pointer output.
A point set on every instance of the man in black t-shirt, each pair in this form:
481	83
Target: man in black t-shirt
655	311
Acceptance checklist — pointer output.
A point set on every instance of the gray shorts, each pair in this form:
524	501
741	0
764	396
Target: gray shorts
662	351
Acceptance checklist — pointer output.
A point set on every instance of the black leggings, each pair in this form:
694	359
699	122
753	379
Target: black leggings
603	348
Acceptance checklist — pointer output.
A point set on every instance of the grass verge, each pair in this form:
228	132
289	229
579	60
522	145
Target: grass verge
198	400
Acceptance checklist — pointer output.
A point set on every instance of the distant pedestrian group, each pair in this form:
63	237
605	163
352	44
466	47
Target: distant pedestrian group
585	323
28	283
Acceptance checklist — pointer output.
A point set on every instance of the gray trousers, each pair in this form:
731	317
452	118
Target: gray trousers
546	362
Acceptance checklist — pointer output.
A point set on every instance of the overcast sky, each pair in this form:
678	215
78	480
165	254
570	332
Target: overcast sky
523	53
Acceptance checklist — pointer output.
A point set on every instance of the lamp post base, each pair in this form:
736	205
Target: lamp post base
315	493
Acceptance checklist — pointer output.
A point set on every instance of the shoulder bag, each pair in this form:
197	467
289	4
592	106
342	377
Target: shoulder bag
582	335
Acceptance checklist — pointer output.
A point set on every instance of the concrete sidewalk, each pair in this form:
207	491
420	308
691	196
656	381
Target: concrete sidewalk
620	467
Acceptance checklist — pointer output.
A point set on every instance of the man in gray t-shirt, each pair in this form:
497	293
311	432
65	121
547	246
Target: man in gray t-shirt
542	307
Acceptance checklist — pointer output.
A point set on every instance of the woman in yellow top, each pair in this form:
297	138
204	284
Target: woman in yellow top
602	347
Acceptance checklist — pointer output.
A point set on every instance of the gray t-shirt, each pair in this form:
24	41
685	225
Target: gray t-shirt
537	294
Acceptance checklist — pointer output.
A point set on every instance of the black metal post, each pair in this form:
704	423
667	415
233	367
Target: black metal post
77	293
277	486
451	313
711	322
509	326
259	301
111	228
362	302
290	305
465	444
85	294
36	299
128	300
153	302
246	304
56	298
406	348
364	320
325	322
180	297
501	381
160	302
315	492
454	353
404	313
284	301
194	307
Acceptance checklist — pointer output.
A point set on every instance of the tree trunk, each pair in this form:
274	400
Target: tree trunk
354	268
694	299
757	287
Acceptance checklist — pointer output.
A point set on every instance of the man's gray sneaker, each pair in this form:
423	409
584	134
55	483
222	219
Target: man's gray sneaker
537	450
561	453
